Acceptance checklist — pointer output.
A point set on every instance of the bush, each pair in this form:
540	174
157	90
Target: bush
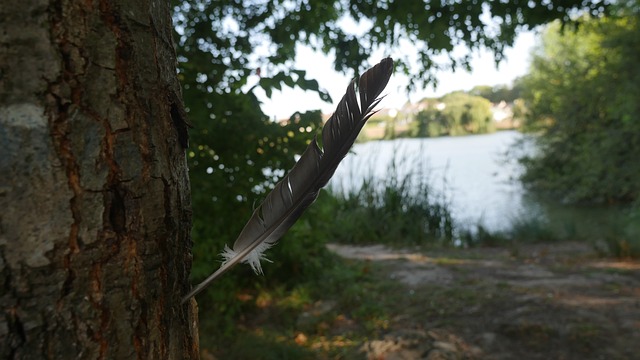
582	94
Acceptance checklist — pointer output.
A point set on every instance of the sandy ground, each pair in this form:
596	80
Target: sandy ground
558	301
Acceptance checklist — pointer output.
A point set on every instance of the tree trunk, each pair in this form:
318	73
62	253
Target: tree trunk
94	194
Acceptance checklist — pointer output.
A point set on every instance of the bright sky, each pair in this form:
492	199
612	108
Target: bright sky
320	67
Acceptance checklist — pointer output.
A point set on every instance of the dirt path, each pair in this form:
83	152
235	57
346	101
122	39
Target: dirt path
556	301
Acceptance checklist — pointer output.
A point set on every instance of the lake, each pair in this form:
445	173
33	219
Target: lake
478	180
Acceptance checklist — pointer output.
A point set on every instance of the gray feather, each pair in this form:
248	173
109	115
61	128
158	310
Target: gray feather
295	192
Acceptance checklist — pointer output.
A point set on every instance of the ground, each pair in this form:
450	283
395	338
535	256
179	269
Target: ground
559	301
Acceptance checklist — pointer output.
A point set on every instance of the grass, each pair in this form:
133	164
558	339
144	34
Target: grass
313	319
395	210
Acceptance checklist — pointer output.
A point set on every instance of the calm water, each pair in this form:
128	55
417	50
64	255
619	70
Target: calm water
471	170
474	173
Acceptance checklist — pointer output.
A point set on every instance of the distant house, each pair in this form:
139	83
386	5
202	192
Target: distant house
503	115
502	111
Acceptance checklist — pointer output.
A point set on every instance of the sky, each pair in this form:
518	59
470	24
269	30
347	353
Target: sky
283	104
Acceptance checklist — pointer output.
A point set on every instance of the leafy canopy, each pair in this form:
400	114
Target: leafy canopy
582	94
229	40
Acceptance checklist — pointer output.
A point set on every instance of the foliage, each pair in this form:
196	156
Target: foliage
236	37
498	93
290	322
230	50
228	173
582	94
301	260
232	162
519	109
454	114
227	50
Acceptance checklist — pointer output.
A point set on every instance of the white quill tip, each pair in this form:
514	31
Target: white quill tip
253	259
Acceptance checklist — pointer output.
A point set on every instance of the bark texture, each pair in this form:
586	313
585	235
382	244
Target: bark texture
94	195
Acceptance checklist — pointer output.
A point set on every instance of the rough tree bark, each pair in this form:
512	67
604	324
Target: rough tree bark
94	194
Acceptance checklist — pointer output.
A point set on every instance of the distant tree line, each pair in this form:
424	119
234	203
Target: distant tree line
498	93
454	114
457	113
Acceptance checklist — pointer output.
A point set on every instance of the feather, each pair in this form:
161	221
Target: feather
296	191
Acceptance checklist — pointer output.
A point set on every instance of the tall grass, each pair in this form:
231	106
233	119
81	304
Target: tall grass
400	208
